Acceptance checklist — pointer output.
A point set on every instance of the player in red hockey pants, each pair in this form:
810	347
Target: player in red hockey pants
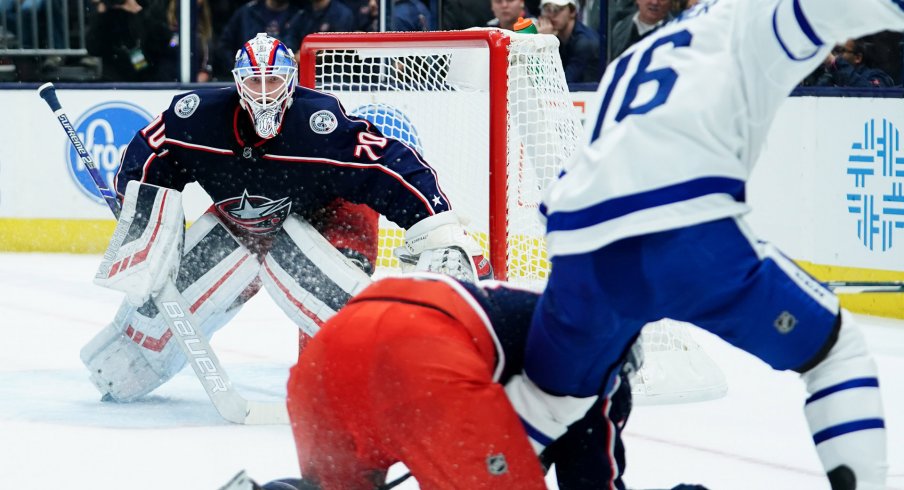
405	372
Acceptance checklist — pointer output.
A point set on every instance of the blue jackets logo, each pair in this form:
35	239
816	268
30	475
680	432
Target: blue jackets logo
876	196
257	214
105	130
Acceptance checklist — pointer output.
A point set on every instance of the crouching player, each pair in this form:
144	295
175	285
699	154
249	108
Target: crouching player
411	370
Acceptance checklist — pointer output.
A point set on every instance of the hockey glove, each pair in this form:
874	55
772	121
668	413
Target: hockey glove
439	243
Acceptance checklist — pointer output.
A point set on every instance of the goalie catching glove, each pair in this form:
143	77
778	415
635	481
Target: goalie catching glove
439	243
146	247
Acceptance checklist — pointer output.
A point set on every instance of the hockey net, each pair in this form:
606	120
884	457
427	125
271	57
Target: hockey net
490	111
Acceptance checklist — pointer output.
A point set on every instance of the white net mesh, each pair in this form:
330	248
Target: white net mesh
542	134
405	93
675	368
438	95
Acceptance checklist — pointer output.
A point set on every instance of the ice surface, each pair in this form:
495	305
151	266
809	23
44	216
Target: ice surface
55	433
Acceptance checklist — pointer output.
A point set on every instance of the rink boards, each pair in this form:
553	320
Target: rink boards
828	188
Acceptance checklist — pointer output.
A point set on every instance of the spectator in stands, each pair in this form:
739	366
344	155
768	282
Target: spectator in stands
29	9
507	13
462	14
619	10
650	15
850	65
366	14
318	16
590	13
407	15
115	33
220	13
410	15
886	54
270	16
162	42
579	46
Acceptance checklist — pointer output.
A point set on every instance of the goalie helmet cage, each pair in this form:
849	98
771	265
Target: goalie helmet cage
490	111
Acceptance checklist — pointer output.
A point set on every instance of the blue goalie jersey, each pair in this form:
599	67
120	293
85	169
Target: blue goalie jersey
320	154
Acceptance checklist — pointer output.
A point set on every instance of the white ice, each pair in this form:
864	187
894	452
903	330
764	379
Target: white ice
55	433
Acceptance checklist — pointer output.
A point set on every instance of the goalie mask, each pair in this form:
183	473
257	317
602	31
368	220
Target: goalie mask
265	75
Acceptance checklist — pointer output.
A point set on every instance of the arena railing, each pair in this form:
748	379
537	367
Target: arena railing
45	30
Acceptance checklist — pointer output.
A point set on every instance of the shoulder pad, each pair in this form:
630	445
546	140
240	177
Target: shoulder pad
187	105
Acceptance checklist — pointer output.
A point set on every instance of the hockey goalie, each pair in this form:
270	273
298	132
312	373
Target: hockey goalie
297	185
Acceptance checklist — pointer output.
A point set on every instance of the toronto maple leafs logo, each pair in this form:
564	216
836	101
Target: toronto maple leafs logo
257	214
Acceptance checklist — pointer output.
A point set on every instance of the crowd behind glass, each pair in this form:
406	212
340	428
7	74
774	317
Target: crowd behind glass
139	40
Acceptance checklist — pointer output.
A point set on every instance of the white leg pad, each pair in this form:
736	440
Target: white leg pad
136	353
844	410
307	277
117	367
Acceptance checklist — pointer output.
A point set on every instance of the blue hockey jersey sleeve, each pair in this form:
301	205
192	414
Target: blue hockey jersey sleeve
406	188
362	164
147	160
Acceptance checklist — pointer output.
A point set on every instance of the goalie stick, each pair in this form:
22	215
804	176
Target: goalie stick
176	313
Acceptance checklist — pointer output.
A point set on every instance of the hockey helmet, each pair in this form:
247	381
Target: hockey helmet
265	75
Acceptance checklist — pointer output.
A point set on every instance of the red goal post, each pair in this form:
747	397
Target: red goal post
509	86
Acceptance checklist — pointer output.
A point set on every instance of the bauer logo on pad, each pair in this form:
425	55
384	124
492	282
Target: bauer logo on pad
106	130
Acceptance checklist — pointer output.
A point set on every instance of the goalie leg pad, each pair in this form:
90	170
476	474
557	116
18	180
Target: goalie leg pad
146	246
216	269
115	362
844	410
307	277
135	354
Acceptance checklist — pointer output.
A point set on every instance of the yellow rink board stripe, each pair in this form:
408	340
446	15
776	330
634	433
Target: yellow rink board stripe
91	236
55	235
879	304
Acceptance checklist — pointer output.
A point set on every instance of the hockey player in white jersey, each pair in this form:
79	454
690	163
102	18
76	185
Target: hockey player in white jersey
646	223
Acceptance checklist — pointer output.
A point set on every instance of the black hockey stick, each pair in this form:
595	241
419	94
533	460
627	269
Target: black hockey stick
177	314
847	287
